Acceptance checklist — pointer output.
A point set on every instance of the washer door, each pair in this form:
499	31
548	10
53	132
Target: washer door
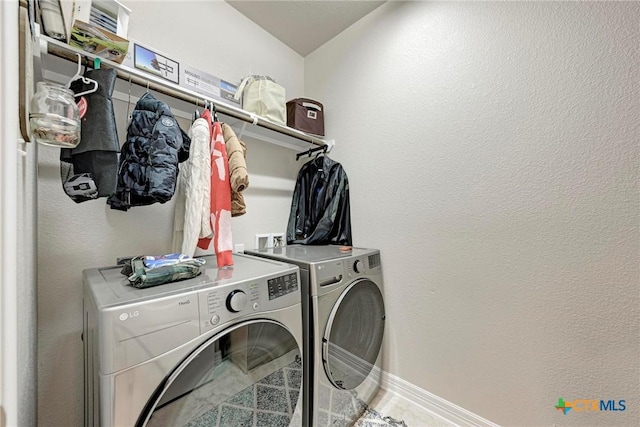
353	336
249	374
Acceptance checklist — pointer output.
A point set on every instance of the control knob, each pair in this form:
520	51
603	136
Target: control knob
358	267
236	301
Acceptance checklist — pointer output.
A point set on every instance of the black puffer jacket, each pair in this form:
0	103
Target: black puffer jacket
149	160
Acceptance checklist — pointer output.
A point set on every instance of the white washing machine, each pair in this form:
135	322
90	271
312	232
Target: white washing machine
344	317
221	349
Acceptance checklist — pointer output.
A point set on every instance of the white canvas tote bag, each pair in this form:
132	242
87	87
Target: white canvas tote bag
263	96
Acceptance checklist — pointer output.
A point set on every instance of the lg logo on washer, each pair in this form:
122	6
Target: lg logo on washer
125	316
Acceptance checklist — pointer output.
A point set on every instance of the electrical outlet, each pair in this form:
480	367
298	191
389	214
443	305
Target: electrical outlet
278	239
263	241
270	240
239	248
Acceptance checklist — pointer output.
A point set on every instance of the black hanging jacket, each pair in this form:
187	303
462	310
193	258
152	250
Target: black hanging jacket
149	161
320	211
97	153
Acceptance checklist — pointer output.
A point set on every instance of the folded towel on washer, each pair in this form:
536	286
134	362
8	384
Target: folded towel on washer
148	271
169	259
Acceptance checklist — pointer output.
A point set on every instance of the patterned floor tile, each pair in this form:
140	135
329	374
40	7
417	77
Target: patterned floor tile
265	419
207	419
236	417
294	378
277	379
244	398
271	399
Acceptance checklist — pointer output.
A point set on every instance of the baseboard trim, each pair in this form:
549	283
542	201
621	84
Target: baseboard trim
443	408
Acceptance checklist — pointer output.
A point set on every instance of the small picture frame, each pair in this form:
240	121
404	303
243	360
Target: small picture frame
98	41
156	64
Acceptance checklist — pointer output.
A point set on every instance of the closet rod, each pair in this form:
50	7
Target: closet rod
63	50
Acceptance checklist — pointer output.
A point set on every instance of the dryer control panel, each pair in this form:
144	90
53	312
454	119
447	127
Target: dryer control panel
357	266
363	265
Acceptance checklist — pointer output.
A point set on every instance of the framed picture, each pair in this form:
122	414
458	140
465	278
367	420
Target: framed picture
96	40
156	64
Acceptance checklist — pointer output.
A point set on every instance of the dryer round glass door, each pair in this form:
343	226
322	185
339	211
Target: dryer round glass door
249	375
353	336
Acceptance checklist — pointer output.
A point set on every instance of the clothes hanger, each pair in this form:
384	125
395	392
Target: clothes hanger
208	106
320	150
85	80
215	112
196	113
318	160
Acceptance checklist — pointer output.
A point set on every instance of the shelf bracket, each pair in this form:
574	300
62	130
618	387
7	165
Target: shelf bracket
330	143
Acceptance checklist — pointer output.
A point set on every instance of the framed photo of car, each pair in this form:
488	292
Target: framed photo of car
98	41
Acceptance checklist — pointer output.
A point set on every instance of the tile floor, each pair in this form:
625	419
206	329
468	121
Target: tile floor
268	396
389	409
270	402
274	401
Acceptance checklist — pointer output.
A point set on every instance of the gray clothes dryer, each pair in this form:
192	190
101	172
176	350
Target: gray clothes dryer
221	349
344	319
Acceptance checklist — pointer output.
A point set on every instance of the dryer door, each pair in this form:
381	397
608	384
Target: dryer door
249	374
353	336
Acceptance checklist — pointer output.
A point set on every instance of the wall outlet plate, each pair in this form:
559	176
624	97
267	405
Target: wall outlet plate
270	240
278	239
263	241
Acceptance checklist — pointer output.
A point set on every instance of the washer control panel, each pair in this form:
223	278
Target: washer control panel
236	301
282	285
223	303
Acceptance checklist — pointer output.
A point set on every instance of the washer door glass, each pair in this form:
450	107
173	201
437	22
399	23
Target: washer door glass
248	375
353	336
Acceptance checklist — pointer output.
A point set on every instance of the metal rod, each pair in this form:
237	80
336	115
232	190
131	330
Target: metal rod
67	52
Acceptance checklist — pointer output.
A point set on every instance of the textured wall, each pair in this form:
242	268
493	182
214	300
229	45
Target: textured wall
211	36
492	156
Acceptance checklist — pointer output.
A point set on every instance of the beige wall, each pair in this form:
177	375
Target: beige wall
210	36
492	155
